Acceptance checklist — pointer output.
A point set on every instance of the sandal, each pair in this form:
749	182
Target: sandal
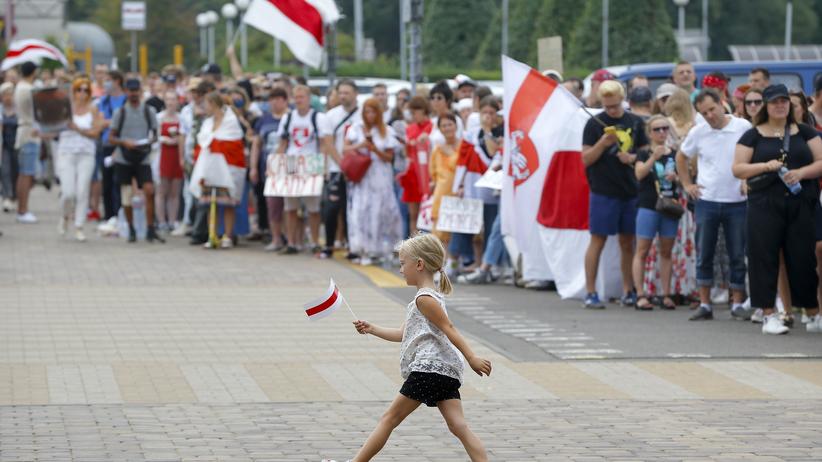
643	304
667	303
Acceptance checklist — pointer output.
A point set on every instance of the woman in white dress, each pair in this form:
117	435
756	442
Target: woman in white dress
374	223
75	157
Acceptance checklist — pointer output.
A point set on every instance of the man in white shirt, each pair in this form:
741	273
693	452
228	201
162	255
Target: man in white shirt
339	120
304	131
720	198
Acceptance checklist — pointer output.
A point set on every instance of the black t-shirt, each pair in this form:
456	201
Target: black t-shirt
647	187
157	103
608	176
767	148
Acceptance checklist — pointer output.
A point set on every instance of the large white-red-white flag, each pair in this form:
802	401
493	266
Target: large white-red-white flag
326	304
32	50
298	23
545	193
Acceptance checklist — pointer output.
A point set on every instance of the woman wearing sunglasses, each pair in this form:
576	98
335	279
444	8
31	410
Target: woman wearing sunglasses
75	157
752	104
656	172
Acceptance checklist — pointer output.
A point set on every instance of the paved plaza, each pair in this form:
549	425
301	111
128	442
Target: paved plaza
111	351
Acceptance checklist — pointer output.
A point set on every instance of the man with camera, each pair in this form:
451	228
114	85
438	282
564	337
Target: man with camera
133	130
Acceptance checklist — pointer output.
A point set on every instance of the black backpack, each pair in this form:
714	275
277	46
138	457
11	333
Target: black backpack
287	125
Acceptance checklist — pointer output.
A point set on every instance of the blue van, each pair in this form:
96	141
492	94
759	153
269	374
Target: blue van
794	74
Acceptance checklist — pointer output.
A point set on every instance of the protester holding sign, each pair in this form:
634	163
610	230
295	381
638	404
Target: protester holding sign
301	136
373	213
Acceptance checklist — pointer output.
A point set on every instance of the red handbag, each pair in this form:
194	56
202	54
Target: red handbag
354	165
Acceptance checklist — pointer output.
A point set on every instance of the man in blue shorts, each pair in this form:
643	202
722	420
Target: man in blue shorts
609	145
27	144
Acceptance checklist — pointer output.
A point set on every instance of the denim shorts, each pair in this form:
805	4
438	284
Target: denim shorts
27	157
611	215
649	223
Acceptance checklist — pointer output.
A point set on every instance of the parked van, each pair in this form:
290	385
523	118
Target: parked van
794	74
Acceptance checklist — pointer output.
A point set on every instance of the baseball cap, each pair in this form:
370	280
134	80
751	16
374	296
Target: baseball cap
463	80
132	84
602	75
666	89
212	68
170	78
640	95
773	92
552	74
192	83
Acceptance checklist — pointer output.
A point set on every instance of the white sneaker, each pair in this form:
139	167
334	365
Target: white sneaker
814	324
758	316
772	325
8	205
80	236
719	296
366	261
27	218
61	226
179	230
226	243
805	318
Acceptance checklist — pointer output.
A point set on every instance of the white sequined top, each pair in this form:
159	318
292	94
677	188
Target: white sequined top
425	348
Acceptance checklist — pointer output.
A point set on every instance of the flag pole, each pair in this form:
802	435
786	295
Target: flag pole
237	31
350	310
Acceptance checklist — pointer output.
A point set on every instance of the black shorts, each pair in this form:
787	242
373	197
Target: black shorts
125	172
430	388
817	218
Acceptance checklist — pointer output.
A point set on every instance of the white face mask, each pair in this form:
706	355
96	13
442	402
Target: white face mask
406	114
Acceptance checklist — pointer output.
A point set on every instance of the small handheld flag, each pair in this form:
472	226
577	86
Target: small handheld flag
326	304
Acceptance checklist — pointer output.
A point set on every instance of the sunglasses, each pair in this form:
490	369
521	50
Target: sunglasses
753	102
83	89
660	129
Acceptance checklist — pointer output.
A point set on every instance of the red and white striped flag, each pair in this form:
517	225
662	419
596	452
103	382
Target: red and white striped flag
545	194
298	23
32	50
326	304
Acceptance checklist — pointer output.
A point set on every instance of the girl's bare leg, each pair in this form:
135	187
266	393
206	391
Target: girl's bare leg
451	410
401	408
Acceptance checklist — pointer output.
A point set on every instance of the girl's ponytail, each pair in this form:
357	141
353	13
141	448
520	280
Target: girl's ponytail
445	287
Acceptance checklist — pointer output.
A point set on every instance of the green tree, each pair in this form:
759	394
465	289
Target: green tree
639	31
454	29
380	22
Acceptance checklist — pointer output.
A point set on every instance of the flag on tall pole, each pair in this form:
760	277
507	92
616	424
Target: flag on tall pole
298	23
32	50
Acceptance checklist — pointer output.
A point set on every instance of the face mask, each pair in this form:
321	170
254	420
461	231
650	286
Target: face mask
406	114
107	86
239	103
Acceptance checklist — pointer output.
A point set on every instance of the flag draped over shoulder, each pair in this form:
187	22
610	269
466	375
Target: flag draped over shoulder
32	50
545	193
298	23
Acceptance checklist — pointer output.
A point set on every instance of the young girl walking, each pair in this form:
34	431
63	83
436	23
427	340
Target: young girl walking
432	351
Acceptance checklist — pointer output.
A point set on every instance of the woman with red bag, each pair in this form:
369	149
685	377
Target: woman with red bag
374	223
415	179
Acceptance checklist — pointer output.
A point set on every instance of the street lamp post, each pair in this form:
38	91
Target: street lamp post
213	18
202	23
788	28
681	4
605	26
242	5
229	12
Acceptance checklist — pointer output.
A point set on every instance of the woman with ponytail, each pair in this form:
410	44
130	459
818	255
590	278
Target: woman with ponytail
432	351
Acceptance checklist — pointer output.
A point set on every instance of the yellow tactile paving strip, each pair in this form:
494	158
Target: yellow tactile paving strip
141	382
805	370
23	384
702	381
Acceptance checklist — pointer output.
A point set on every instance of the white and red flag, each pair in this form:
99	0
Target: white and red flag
298	23
326	304
32	50
545	193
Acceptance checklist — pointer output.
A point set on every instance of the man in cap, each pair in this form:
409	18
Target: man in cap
212	73
465	87
639	100
599	76
133	130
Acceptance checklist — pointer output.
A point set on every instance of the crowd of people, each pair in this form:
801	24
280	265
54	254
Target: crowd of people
712	191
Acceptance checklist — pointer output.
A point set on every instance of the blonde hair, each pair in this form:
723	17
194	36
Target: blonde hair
610	88
679	108
429	249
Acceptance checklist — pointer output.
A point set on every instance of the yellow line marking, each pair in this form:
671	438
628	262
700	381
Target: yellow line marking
379	276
